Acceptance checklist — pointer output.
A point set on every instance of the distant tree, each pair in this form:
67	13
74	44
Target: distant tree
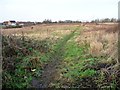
60	21
113	20
47	21
38	22
78	21
93	21
55	22
97	20
106	20
68	21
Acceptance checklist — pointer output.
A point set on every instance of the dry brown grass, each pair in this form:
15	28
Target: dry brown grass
96	48
41	31
101	38
102	43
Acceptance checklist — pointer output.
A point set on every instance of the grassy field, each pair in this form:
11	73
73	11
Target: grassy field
61	55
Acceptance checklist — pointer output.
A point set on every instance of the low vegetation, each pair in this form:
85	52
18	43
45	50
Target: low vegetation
23	59
79	58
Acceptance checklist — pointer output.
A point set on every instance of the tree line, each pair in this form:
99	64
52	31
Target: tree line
105	20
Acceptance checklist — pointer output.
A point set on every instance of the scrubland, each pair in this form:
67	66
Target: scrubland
66	55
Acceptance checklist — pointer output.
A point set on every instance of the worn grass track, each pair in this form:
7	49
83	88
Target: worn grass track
50	69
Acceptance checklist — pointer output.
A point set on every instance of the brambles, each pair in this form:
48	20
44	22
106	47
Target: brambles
22	60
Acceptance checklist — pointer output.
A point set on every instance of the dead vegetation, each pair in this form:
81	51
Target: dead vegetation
103	43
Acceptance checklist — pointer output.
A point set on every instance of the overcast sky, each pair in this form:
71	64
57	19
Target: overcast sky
38	10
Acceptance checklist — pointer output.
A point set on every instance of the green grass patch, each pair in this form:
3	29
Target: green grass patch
73	67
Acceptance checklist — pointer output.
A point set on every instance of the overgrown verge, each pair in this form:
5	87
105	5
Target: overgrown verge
23	59
81	69
73	67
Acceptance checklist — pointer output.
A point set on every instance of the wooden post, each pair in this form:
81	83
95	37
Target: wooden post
1	58
119	32
23	37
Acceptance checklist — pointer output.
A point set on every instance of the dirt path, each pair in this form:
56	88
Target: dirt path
49	72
